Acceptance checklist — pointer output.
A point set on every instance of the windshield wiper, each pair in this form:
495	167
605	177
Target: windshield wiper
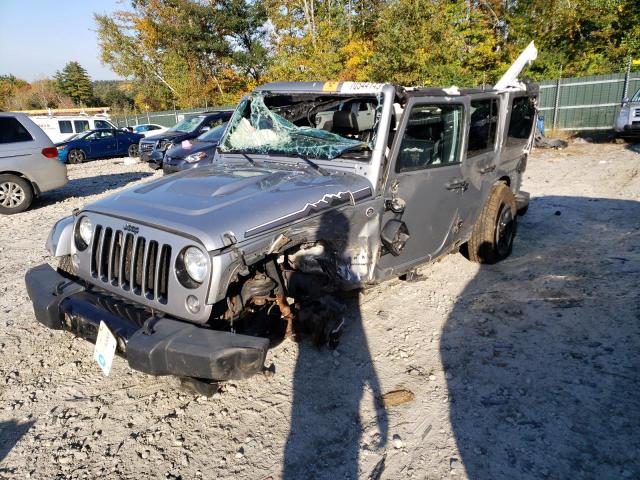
314	165
249	159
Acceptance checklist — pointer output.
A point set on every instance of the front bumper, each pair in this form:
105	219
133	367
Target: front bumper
151	344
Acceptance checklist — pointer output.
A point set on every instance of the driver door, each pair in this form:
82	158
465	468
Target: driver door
426	178
102	143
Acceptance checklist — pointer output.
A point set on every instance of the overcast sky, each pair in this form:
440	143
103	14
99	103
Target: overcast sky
38	37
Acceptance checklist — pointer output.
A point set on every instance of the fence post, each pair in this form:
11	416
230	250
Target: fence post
175	114
148	121
557	102
627	74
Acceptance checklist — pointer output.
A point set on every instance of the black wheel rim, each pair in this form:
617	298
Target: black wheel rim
133	150
505	230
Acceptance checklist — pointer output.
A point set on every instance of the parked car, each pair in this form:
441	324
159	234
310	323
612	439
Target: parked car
29	163
61	127
108	142
193	153
153	148
627	123
317	188
148	129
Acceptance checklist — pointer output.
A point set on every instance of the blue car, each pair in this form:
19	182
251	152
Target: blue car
99	143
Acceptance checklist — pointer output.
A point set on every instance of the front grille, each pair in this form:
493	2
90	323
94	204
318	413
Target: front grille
146	147
637	112
131	262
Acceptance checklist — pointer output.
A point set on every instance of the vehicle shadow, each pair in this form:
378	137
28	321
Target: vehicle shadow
335	410
87	186
542	351
10	433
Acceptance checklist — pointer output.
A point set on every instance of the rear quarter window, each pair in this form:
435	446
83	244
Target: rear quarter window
12	131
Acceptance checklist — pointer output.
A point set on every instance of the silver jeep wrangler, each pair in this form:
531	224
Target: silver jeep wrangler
316	188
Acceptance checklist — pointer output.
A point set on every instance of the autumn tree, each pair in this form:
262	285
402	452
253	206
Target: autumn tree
74	81
187	51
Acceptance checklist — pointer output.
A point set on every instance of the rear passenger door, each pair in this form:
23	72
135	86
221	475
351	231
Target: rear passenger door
426	175
481	157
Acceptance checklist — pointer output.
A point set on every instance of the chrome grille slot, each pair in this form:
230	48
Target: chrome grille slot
103	256
150	268
95	243
139	260
131	262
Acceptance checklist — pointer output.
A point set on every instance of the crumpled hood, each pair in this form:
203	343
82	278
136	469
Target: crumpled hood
239	199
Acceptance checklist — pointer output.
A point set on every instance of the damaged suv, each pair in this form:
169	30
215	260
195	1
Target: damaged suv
316	188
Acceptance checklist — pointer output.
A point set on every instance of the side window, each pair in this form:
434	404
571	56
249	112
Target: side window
65	126
102	124
431	137
484	123
523	112
81	125
11	130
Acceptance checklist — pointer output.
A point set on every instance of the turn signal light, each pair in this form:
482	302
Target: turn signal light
50	152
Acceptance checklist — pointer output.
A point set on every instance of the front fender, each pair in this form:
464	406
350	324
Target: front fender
59	239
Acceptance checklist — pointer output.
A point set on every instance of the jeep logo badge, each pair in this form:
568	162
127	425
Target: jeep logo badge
131	228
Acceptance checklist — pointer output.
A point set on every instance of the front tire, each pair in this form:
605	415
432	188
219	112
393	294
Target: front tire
76	156
16	194
133	150
494	232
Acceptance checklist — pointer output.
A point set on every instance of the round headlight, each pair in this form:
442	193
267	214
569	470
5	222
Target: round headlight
195	263
84	233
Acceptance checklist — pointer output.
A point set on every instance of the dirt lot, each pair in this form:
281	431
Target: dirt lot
526	369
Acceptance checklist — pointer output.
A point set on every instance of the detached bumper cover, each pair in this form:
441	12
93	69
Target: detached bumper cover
153	345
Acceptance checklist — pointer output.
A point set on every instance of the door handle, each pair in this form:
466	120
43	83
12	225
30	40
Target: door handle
457	185
488	169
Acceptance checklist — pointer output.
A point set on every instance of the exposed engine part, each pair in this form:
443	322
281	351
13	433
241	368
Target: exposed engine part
257	289
286	313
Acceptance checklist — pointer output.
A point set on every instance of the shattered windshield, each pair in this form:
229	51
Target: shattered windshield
309	125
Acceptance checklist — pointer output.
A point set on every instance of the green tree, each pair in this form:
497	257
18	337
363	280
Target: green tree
74	81
186	51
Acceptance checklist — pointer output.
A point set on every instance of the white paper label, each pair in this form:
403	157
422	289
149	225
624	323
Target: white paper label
105	348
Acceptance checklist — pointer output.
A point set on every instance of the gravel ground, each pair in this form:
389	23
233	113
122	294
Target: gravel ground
524	370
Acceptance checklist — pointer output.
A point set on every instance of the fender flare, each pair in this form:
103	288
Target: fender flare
60	237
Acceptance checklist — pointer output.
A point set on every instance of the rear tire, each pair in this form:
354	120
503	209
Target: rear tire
76	156
16	194
133	150
494	232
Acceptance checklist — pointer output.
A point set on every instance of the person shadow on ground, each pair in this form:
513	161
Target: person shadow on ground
335	413
542	351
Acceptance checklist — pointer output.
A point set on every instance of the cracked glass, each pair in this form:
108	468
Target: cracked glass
256	128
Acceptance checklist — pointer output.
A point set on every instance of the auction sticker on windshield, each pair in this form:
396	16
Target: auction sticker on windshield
105	348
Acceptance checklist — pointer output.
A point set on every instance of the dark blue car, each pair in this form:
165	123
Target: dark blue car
99	143
193	153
